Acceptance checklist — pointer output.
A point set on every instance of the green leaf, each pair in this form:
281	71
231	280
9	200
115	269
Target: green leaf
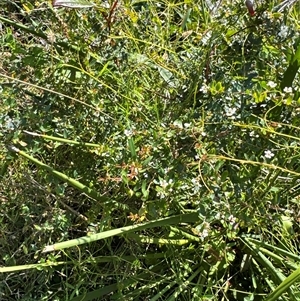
287	224
131	145
291	71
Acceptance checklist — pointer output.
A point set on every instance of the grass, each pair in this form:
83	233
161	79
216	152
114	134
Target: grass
149	151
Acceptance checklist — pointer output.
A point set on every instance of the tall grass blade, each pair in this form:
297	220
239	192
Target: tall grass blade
63	140
183	218
71	181
284	286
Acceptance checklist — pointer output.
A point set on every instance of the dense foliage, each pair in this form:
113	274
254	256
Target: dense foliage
149	151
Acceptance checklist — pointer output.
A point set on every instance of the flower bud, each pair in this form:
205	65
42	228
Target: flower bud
250	6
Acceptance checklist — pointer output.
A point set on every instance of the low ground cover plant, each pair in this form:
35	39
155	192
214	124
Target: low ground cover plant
149	150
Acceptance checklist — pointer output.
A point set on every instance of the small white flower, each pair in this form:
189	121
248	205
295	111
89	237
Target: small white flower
220	216
206	37
231	219
271	84
164	184
128	133
194	181
252	134
288	90
204	233
203	89
230	112
284	30
8	123
196	184
178	123
161	194
268	154
266	15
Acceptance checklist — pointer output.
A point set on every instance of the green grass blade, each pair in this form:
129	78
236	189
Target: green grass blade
158	241
103	291
71	181
183	218
278	254
92	260
291	71
284	286
278	276
94	295
163	291
184	285
63	140
132	148
24	267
